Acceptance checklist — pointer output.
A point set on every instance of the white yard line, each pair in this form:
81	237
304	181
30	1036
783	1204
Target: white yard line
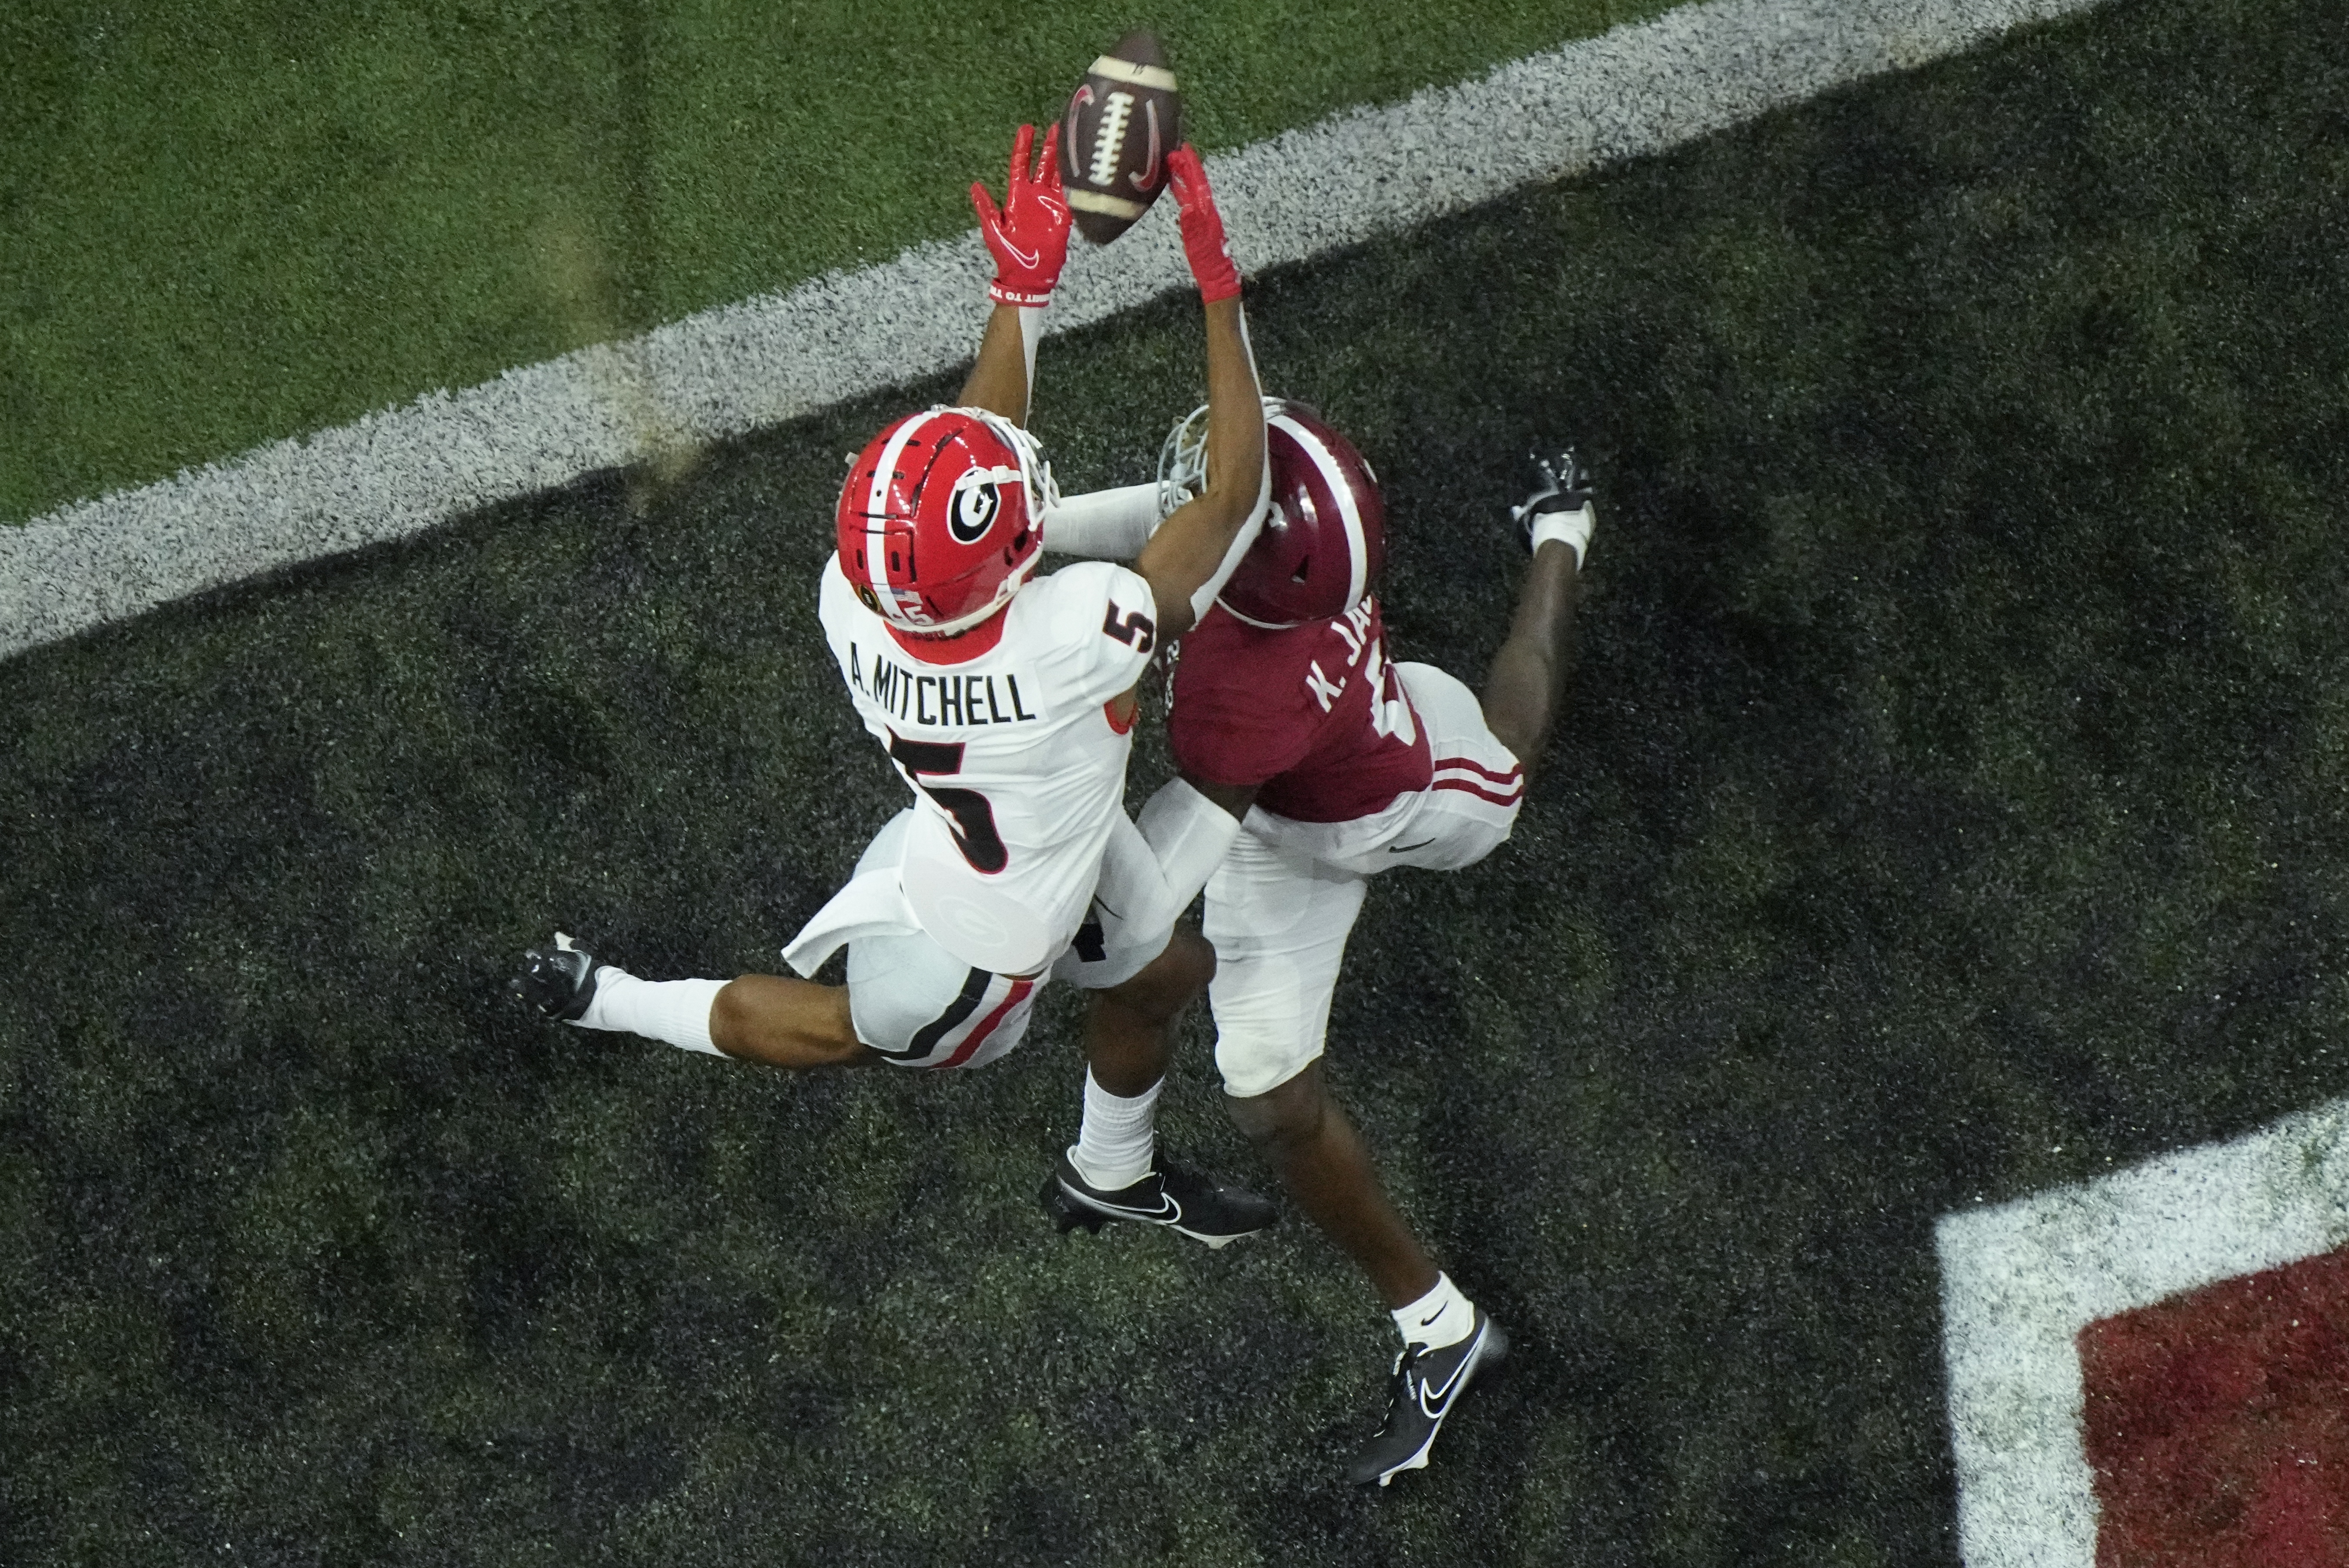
1636	90
2020	1281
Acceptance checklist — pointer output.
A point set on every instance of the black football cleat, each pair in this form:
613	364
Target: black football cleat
559	984
1565	486
1427	1384
1171	1195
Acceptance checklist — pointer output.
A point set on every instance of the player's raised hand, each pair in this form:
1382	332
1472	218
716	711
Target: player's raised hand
1560	507
1203	226
1030	235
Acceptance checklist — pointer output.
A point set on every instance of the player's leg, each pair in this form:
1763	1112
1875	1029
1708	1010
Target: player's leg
1525	687
1115	1169
1279	926
763	1018
1129	1038
1321	1159
766	1018
1130	1027
1279	914
1279	923
786	1022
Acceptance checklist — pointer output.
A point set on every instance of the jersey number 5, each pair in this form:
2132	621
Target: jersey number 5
1135	624
973	818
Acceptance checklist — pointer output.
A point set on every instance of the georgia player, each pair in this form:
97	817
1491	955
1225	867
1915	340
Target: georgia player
1289	713
1007	701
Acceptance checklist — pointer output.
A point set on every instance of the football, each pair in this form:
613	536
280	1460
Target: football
1125	118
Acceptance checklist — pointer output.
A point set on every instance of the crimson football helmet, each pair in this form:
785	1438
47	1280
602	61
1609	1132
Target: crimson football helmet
939	522
1324	539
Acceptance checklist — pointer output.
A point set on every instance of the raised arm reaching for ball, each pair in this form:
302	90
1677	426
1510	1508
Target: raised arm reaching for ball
1028	238
1194	552
1191	554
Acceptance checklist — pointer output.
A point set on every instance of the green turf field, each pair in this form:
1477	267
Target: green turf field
230	223
1953	806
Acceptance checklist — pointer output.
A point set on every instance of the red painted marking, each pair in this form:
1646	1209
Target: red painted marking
2217	1423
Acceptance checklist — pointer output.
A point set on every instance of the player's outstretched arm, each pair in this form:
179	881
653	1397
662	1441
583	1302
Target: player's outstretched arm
1103	525
1525	690
1193	553
999	381
1188	825
1028	238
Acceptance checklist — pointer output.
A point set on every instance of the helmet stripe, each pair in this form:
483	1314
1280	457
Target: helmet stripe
876	501
1333	475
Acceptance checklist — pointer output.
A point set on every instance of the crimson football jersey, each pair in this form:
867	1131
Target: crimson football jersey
1311	714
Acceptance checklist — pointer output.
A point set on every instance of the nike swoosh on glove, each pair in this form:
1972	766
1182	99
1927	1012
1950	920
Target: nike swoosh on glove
1028	237
1204	244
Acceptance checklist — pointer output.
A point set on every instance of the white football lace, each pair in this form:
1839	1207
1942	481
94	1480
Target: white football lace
1110	139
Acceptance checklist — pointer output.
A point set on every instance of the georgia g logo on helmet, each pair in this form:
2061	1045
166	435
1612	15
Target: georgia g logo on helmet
977	501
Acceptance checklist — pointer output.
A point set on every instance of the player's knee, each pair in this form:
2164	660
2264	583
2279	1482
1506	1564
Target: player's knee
1517	723
732	1019
1284	1117
1190	962
1170	982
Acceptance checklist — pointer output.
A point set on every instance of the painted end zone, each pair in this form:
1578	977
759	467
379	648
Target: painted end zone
2217	1423
2022	1281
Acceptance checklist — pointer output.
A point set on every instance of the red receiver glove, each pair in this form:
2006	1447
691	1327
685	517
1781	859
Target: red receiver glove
1203	226
1029	237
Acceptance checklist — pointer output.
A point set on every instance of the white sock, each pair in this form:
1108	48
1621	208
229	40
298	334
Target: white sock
1443	1316
677	1011
1114	1144
1572	529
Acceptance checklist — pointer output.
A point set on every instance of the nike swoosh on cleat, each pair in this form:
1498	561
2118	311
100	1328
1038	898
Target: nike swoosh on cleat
1405	849
1167	1212
1451	1385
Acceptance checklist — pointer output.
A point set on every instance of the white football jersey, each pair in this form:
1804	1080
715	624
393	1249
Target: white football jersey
1018	771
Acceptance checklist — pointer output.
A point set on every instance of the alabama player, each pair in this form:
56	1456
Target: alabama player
1289	712
1007	701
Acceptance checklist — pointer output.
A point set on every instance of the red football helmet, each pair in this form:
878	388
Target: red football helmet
1325	541
937	523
